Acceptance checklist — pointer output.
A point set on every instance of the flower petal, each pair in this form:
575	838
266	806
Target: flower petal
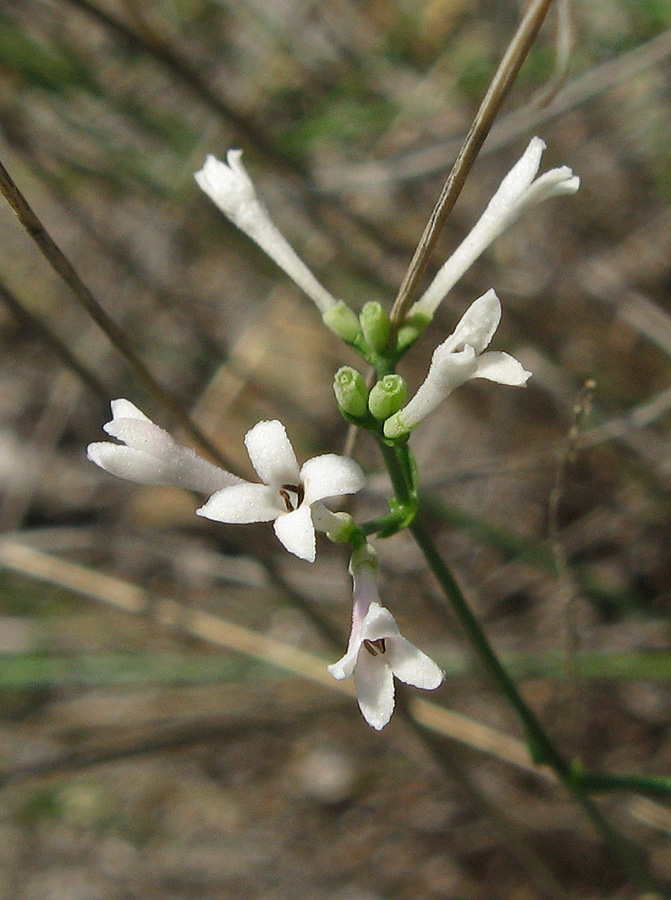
271	454
330	476
554	183
124	409
379	623
448	371
126	462
374	684
410	665
477	325
296	531
229	187
515	194
496	366
241	504
152	456
344	667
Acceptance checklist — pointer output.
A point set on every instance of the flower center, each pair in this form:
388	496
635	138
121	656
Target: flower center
375	647
293	495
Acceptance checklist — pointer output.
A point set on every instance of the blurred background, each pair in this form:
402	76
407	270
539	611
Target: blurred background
141	754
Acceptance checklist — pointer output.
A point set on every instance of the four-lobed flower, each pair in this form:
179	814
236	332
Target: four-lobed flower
289	495
377	652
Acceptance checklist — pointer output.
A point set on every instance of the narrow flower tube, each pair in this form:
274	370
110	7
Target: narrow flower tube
377	652
229	186
518	191
149	455
459	358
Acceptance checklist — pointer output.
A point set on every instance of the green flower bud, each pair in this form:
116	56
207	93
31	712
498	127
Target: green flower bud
387	396
411	329
351	392
395	427
375	325
342	321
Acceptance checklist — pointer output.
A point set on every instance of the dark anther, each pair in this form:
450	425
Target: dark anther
290	491
375	647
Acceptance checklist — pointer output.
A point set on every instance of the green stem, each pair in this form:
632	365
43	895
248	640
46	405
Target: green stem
399	465
542	748
604	782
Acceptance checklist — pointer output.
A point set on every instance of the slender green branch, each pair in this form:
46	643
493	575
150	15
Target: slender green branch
542	747
606	783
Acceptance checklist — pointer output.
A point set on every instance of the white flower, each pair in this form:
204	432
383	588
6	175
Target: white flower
517	192
229	186
457	360
149	455
288	493
377	651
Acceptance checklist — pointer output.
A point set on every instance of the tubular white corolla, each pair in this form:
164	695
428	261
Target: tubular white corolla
377	652
518	191
458	359
229	186
147	454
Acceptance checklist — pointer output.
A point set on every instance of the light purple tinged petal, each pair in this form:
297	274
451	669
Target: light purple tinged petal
364	594
330	476
271	454
374	684
496	366
412	666
344	667
241	504
296	531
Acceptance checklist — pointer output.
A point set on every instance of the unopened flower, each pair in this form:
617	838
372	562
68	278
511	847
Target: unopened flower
458	359
149	455
229	186
377	651
289	495
518	191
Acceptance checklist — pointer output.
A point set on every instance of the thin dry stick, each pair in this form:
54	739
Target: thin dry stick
512	61
117	336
